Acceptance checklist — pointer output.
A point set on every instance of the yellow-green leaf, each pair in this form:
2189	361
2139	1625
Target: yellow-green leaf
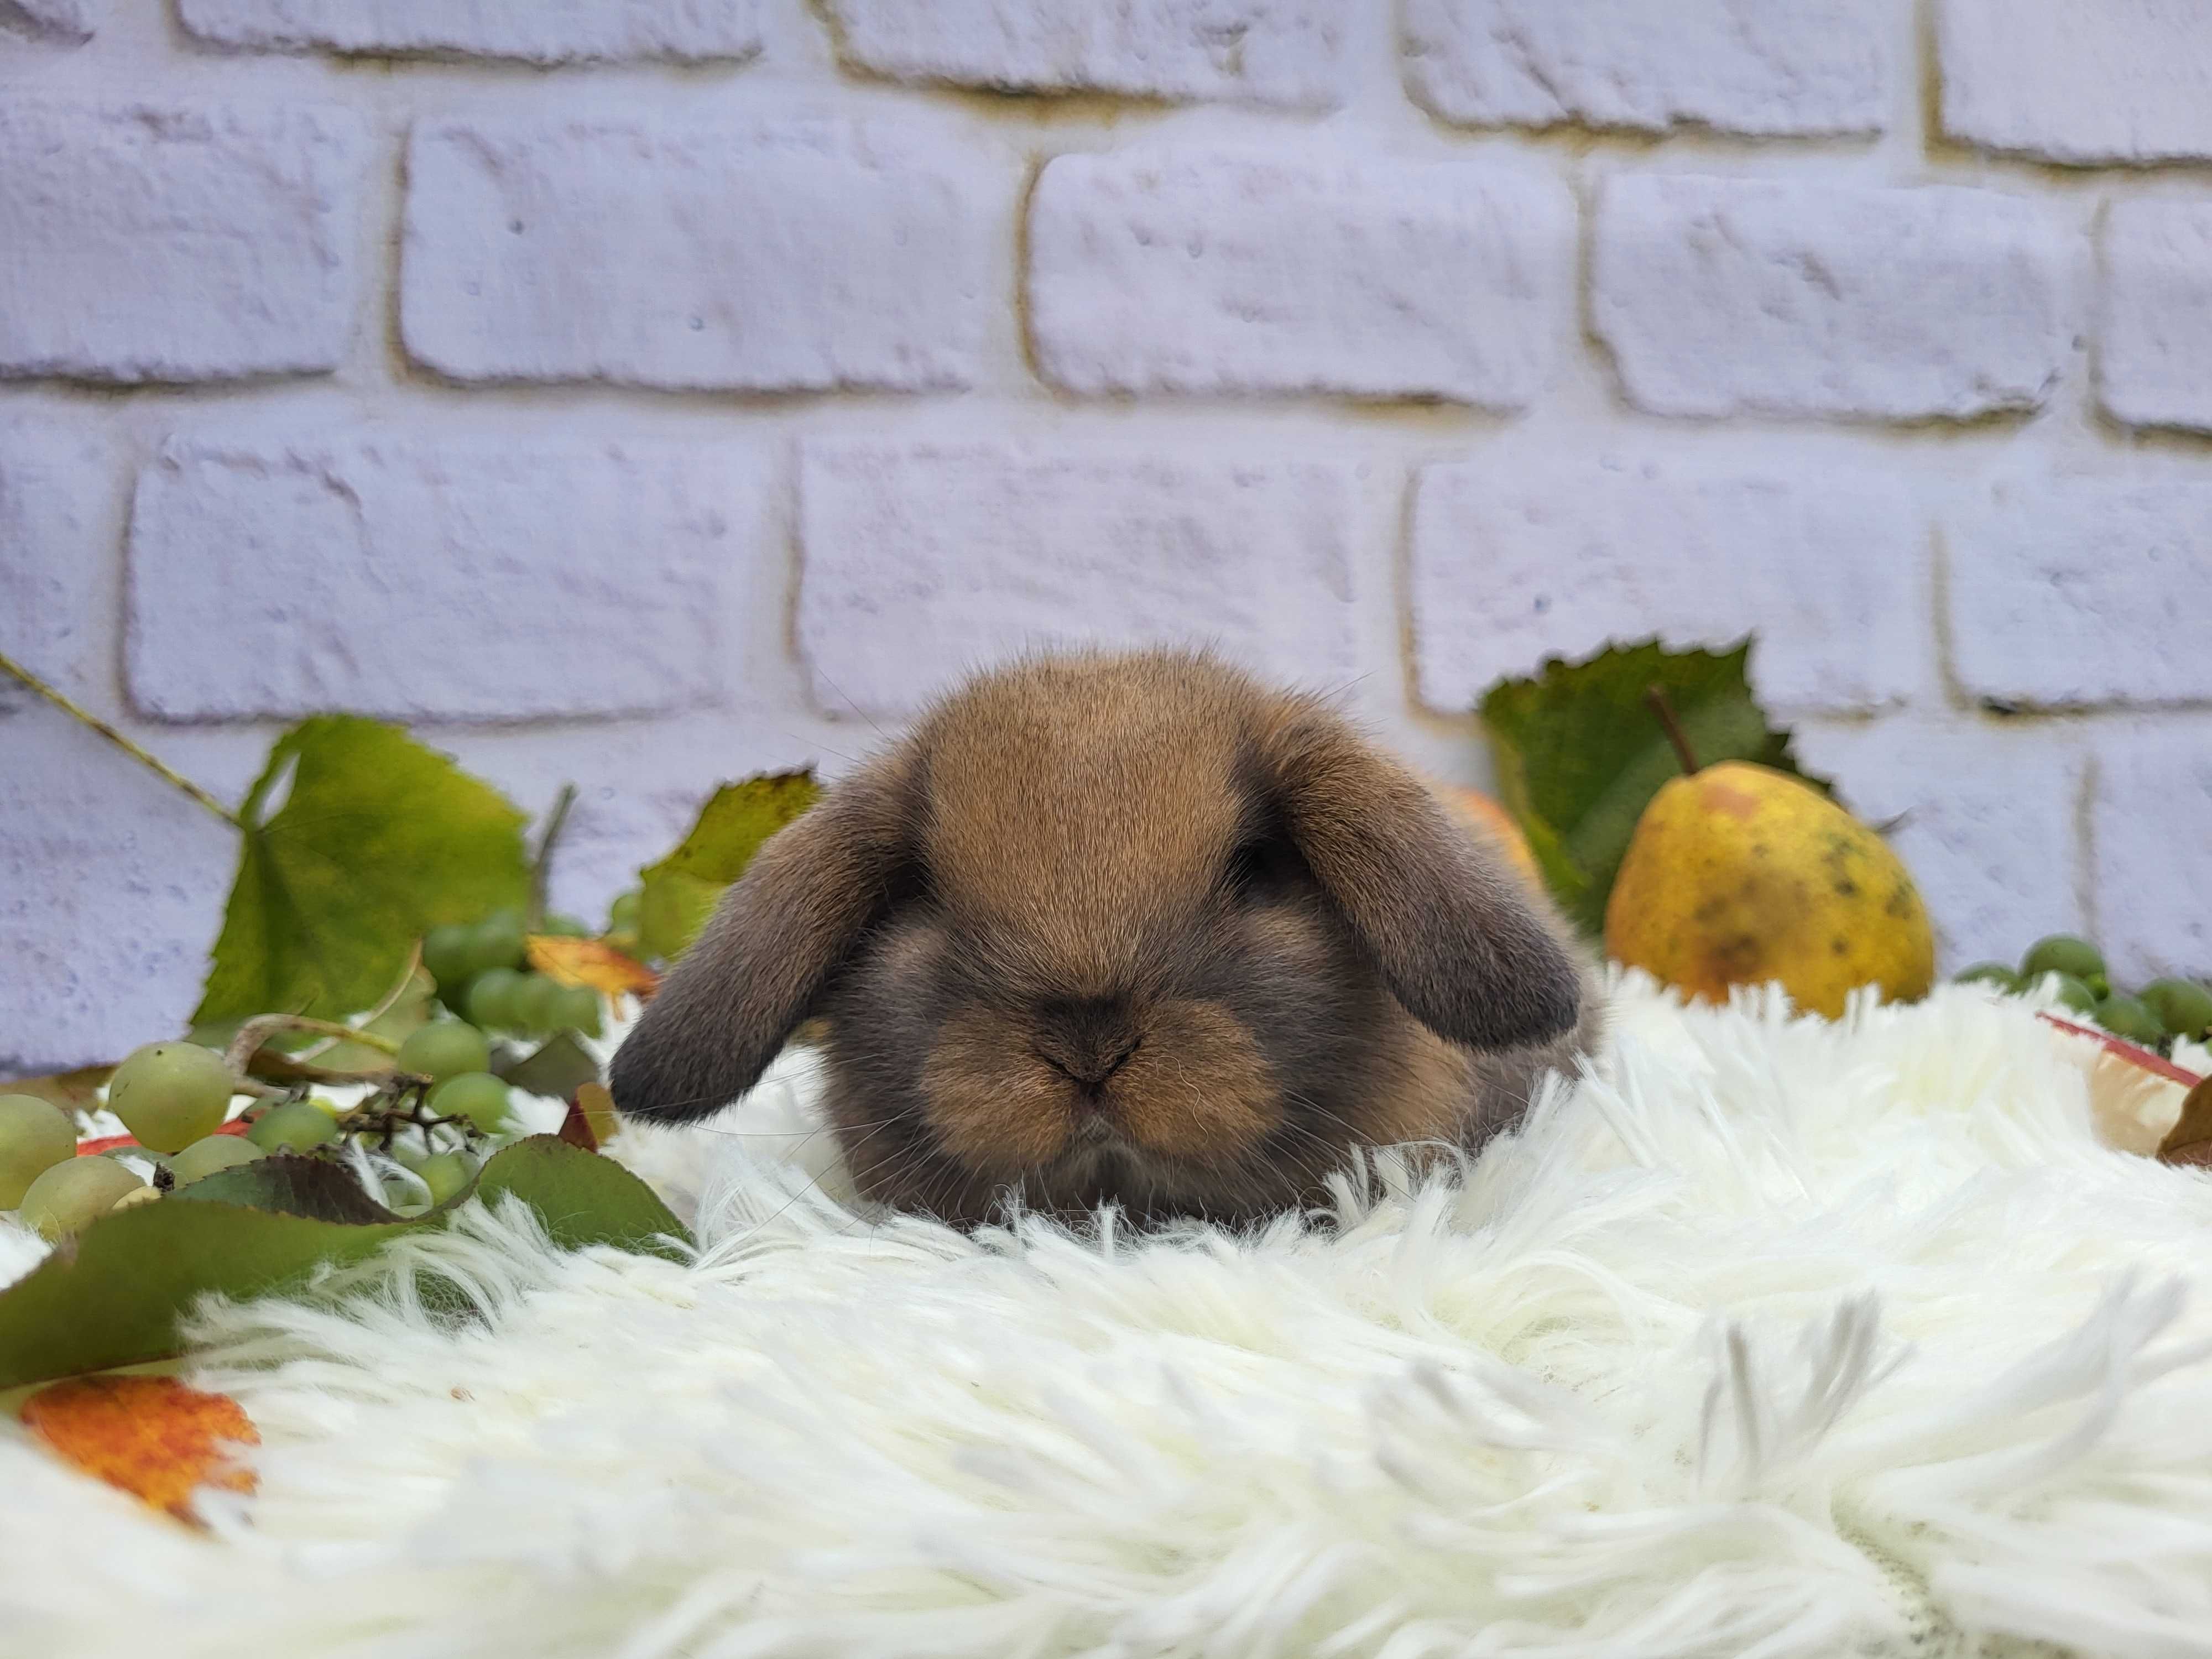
680	892
378	839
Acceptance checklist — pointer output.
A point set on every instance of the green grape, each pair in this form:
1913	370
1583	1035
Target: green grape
2076	995
170	1094
2126	1017
1993	973
476	1095
492	998
622	914
133	1200
2097	983
2062	953
577	1009
448	954
293	1127
447	1174
2185	1008
559	926
205	1157
496	942
443	1048
536	1003
35	1136
70	1197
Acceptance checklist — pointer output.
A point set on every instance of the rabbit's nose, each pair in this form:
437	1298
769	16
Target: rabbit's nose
1088	1039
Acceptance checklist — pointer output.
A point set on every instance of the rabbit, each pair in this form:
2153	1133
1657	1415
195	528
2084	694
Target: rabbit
1125	929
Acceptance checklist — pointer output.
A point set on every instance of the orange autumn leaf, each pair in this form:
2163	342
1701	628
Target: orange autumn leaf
590	962
151	1436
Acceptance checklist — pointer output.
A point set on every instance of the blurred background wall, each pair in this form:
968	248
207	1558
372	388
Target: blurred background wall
645	393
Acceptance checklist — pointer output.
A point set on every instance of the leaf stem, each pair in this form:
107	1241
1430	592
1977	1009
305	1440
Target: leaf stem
541	866
77	711
1656	697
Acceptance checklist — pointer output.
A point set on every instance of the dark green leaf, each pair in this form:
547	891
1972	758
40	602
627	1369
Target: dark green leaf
557	1070
679	893
114	1295
1578	752
378	839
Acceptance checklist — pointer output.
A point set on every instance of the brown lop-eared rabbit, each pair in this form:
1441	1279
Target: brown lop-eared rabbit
1130	929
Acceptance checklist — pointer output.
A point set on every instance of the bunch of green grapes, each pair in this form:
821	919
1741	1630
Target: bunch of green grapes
2155	1016
483	975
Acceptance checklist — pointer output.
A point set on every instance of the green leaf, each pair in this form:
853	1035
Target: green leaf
114	1295
1578	753
679	893
378	839
556	1069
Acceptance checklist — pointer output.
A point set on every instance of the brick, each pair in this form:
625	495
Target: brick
144	244
58	496
2154	322
1297	270
112	887
1730	296
1514	562
1285	53
687	31
2118	80
2082	592
807	256
74	21
2153	860
1991	832
922	561
447	582
1763	67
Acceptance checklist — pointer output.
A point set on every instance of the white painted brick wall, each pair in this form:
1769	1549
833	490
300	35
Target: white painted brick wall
2153	790
2066	81
1516	559
2080	592
1766	67
1729	296
176	242
685	31
106	876
66	19
55	556
924	561
456	582
1183	269
642	393
1988	817
1267	52
2155	313
787	259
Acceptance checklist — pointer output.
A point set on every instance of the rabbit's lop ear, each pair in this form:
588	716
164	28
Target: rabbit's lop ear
1455	937
730	1003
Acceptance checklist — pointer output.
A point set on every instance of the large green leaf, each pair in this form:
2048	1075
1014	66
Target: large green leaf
1578	752
378	839
679	893
114	1295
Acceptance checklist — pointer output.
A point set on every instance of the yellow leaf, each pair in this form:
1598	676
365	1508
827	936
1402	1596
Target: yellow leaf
150	1436
591	963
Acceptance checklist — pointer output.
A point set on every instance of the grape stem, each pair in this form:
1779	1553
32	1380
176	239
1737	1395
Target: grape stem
541	866
160	769
258	1030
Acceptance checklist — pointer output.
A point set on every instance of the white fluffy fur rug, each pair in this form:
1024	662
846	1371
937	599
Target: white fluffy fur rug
1777	1338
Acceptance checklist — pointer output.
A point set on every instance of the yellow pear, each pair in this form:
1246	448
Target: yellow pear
1738	874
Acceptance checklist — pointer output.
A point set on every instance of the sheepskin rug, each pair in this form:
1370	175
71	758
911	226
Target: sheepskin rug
1773	1337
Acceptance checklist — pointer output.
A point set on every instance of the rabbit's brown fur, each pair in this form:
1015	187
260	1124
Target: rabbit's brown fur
1129	928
